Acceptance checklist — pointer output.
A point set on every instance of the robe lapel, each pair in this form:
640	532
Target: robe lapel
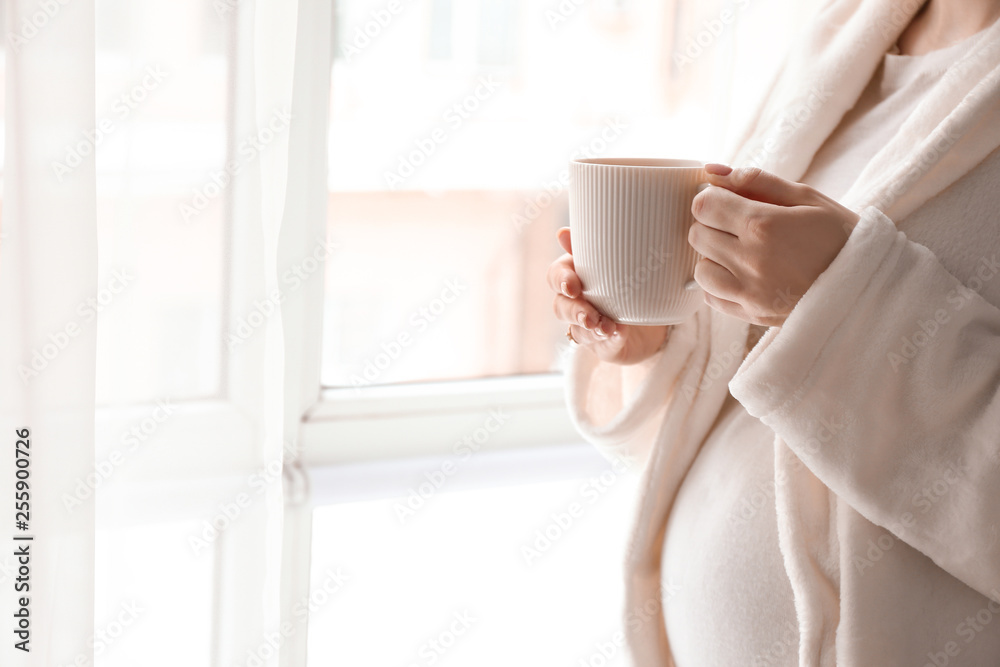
954	128
824	77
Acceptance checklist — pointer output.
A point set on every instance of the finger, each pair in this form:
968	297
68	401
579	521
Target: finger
580	313
563	237
584	336
754	183
726	307
728	211
562	277
720	247
607	348
717	280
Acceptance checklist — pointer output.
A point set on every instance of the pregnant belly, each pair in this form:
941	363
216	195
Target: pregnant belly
732	602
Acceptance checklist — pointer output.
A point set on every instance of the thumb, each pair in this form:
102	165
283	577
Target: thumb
563	237
754	183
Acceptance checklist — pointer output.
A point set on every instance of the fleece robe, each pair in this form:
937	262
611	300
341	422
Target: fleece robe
736	606
882	388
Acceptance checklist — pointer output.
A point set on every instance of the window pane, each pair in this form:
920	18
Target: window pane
439	41
467	579
161	133
496	32
154	598
447	175
452	124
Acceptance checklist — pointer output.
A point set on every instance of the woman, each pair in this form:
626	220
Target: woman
821	440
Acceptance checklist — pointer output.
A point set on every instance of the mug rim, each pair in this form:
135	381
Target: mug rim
641	162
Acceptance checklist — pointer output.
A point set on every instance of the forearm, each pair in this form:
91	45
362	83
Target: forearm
884	382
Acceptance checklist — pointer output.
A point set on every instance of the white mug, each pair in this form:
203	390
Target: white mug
629	221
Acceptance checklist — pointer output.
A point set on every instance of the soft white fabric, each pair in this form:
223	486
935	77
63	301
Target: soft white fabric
48	268
873	415
737	606
895	90
275	25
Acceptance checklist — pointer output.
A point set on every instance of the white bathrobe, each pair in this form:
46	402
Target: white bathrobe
882	387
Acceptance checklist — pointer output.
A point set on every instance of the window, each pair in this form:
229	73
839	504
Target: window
440	38
152	588
488	575
162	97
497	32
447	167
164	79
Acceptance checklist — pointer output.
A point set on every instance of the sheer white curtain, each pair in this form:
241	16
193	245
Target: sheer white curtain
48	259
48	268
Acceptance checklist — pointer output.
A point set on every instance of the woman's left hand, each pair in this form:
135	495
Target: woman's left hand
764	241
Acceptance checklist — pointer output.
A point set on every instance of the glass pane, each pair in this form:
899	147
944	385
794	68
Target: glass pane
439	40
473	578
154	598
160	135
451	127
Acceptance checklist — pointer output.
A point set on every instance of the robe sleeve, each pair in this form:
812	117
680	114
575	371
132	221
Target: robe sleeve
619	409
885	382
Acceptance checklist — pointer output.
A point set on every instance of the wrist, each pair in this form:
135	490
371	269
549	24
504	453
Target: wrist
666	337
656	339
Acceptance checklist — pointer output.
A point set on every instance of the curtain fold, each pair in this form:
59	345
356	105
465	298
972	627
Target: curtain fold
48	268
275	23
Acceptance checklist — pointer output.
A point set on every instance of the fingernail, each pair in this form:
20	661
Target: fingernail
565	288
608	327
718	169
582	319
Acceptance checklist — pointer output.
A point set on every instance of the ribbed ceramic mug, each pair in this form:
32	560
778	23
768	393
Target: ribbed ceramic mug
629	220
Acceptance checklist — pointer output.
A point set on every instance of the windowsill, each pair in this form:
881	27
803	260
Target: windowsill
461	471
372	423
378	400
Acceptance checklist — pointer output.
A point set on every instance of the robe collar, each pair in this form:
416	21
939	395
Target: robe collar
956	126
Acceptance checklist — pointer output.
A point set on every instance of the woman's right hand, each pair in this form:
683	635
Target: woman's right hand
616	343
